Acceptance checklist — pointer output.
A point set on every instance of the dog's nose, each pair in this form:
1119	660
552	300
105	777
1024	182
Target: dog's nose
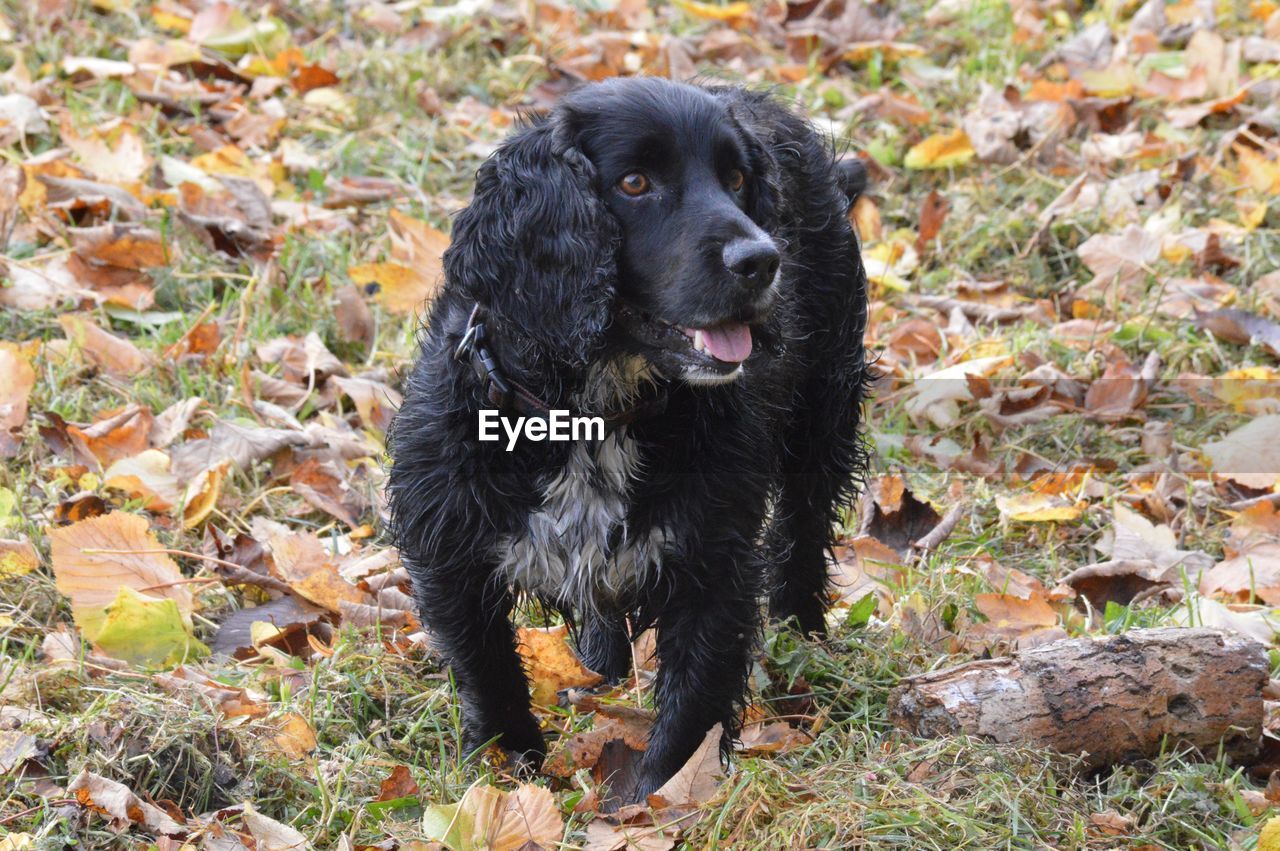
754	262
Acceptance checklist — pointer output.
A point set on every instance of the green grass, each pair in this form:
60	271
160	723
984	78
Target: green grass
861	783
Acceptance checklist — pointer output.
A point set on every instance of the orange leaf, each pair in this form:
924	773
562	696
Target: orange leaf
95	558
552	664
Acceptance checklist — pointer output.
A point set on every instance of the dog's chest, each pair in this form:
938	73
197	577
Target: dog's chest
577	548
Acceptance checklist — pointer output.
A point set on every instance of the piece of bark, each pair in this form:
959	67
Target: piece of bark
1112	699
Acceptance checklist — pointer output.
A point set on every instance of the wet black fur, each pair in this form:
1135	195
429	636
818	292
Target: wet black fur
540	247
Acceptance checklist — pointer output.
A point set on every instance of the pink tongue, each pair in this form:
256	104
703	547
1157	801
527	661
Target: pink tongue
730	342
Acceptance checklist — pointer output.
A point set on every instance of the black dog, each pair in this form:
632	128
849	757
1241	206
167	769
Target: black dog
677	260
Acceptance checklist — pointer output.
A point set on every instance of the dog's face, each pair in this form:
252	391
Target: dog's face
689	188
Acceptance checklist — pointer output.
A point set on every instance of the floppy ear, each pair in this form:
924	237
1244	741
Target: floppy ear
537	245
762	201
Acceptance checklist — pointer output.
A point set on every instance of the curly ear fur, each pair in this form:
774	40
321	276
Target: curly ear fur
538	246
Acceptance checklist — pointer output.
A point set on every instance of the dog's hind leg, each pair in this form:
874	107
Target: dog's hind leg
604	644
471	626
822	458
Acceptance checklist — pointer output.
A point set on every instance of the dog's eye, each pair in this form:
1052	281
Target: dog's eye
634	184
737	180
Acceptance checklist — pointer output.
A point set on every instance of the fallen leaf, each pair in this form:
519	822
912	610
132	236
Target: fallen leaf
375	401
114	355
290	617
1249	455
17	379
1252	573
1242	328
772	737
325	487
121	160
551	662
271	835
301	561
932	214
398	784
492	819
943	150
698	779
115	436
122	807
93	559
1038	508
17	558
143	630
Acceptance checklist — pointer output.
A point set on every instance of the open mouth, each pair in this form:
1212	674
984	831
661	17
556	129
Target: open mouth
720	348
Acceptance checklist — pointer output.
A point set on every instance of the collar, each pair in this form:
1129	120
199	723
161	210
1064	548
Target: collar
505	393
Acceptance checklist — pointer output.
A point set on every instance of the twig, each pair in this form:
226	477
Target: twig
941	532
1243	504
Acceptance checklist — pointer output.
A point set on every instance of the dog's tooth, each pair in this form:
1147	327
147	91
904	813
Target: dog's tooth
699	344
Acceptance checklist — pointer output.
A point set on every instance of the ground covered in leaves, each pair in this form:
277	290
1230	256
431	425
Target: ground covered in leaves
218	221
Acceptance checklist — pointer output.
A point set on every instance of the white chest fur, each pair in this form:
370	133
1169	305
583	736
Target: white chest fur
577	548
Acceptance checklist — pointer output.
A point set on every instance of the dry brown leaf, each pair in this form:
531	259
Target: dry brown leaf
355	321
414	276
93	559
323	485
1253	573
552	664
398	784
240	445
292	736
1250	454
120	158
301	561
114	436
509	821
114	355
1118	581
698	780
17	379
1123	259
305	360
122	807
375	401
895	517
1016	621
771	737
606	836
1121	391
269	834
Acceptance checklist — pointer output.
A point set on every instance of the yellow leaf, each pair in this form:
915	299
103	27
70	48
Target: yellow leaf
711	12
146	630
166	19
942	150
1256	171
1038	508
552	664
399	288
202	495
17	558
1269	836
293	737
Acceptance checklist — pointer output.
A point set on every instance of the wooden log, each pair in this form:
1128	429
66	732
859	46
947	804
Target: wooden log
1112	699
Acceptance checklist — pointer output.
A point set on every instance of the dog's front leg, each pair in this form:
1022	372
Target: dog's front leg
470	625
706	633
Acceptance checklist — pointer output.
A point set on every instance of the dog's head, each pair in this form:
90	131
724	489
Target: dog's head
640	202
